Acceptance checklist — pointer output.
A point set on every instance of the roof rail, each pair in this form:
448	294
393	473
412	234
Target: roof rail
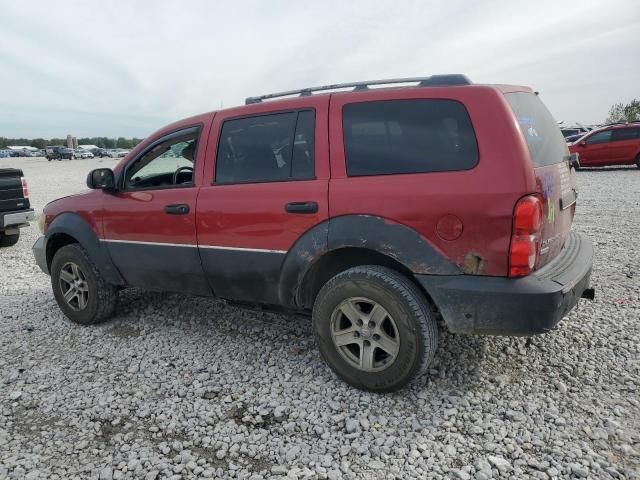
432	81
619	123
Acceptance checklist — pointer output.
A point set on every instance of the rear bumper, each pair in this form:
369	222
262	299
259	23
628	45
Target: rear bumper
523	306
16	219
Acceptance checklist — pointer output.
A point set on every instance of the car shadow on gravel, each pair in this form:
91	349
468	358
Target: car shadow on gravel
608	169
457	363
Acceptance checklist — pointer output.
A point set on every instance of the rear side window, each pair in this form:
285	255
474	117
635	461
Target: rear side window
541	132
266	148
621	134
407	136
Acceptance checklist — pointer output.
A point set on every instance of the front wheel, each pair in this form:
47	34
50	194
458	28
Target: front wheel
375	328
81	292
8	240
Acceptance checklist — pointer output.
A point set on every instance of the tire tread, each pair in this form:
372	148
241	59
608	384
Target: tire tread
107	293
411	295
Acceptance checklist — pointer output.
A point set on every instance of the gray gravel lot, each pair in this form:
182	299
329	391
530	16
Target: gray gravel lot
190	387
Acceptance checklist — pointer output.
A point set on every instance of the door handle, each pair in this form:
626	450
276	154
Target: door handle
180	209
301	207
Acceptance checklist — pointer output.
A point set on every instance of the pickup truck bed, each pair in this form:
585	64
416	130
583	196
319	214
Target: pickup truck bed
15	209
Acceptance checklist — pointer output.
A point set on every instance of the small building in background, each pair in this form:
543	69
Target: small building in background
22	148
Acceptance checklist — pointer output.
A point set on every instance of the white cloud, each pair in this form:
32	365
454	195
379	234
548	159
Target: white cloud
126	68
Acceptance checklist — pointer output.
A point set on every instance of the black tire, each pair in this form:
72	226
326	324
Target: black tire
405	303
8	240
638	160
102	296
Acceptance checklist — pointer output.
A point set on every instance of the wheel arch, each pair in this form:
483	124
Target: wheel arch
339	260
348	241
68	228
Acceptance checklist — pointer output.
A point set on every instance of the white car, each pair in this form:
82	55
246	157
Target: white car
83	154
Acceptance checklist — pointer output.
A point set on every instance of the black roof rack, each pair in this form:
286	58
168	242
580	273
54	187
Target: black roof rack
432	81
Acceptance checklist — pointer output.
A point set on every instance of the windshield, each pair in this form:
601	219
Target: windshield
544	139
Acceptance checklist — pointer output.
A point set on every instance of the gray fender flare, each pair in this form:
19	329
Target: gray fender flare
73	225
394	240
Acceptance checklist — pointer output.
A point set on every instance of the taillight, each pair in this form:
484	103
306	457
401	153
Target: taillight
525	237
25	187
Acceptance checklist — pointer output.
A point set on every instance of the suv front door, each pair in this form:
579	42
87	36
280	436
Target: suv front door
595	152
267	186
149	223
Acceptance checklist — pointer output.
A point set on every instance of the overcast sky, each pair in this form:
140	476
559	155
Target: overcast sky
121	68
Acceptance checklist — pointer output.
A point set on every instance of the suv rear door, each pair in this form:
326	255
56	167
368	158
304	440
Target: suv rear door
556	181
266	182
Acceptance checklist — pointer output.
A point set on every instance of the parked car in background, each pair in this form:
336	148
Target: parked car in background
59	152
15	210
80	153
573	138
122	153
615	144
370	209
109	153
5	153
569	131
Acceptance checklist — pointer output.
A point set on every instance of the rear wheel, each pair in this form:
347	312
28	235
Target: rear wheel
638	160
374	328
81	292
8	240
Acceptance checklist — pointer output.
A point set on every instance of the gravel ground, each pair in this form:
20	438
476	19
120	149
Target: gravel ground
187	387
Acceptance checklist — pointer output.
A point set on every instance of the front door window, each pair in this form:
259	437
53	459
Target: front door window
599	137
167	164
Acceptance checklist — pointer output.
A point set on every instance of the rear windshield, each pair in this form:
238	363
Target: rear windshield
544	138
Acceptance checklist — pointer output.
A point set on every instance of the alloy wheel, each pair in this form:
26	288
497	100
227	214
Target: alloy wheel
74	286
365	334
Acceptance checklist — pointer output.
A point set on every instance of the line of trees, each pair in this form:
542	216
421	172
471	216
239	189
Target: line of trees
624	113
102	142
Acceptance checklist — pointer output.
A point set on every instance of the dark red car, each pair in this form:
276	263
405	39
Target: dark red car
617	144
375	210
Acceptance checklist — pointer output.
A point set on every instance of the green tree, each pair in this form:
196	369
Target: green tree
124	143
624	113
38	143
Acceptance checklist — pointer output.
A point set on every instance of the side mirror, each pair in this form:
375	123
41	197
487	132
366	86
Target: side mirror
101	179
574	161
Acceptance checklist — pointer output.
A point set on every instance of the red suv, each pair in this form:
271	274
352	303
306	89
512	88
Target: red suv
375	210
616	144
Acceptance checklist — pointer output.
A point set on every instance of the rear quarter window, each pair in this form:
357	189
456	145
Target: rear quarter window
540	130
623	134
407	136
